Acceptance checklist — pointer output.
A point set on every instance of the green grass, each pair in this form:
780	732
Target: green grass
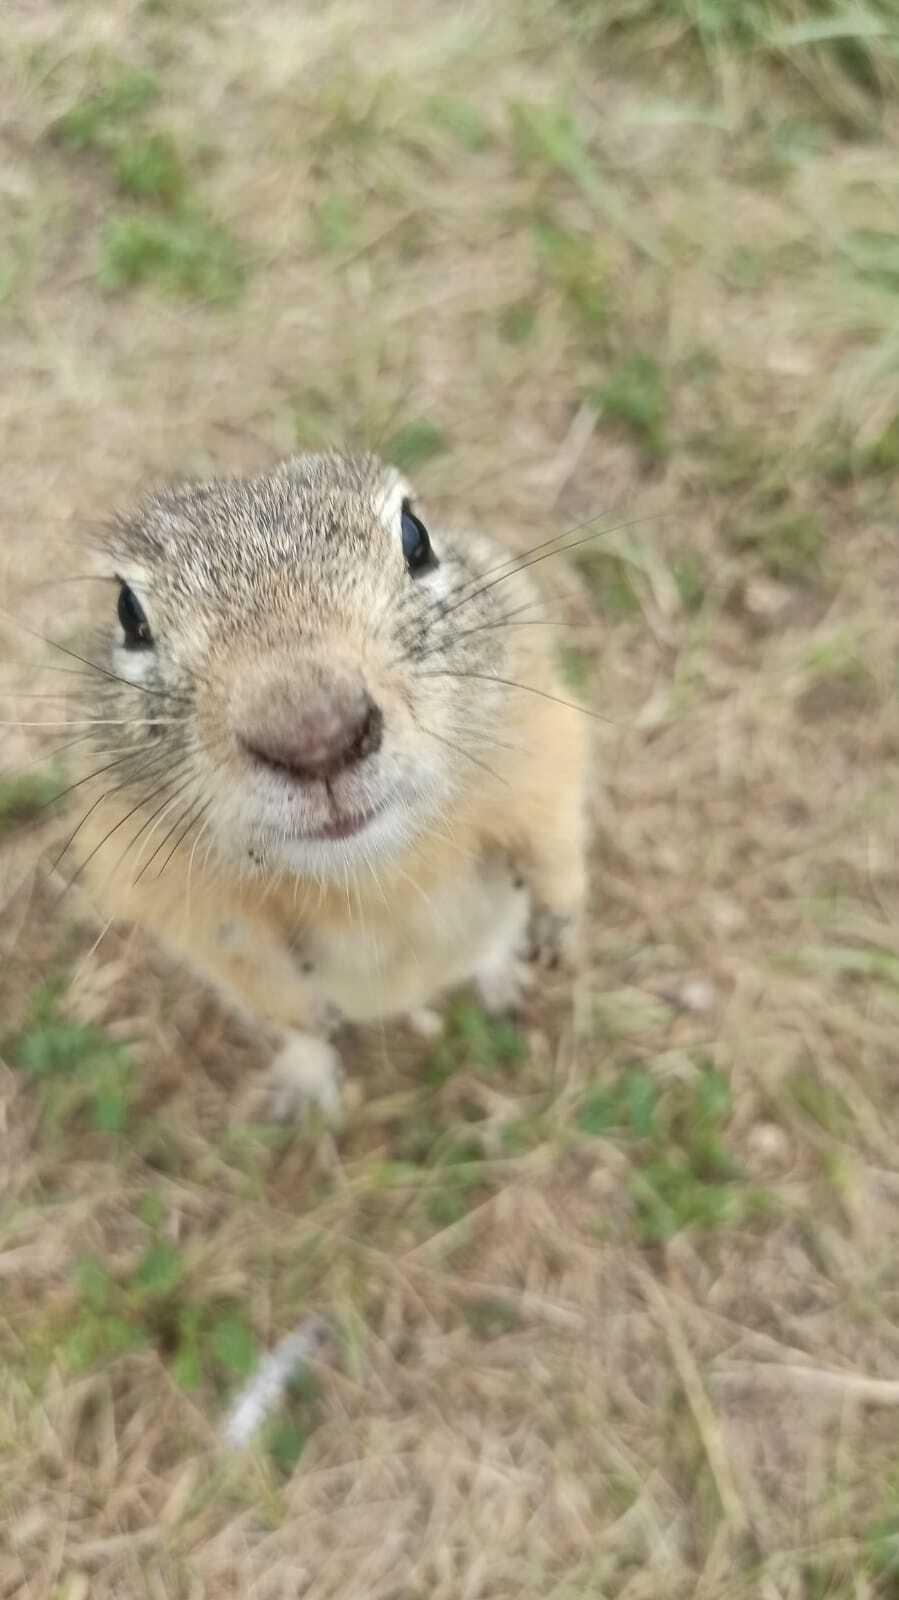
152	168
822	1102
168	238
439	1157
98	122
78	1071
204	1342
683	1173
836	58
415	443
571	263
635	396
611	582
287	1434
683	215
186	254
24	798
472	1039
788	540
882	454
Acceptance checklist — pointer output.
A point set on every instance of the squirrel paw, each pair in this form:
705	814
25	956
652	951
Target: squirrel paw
306	1077
503	988
554	940
427	1023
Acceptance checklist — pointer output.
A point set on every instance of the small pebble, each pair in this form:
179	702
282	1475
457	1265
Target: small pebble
769	1147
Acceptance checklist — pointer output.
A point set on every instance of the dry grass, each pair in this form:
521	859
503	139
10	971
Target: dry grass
616	1305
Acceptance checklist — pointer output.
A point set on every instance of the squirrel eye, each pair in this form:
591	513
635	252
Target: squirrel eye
417	550
131	616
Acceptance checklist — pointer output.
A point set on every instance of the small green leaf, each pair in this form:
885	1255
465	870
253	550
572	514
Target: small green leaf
641	1098
160	1269
713	1099
187	1368
234	1345
286	1443
599	1112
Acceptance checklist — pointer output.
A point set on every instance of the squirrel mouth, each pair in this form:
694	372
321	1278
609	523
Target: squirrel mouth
344	827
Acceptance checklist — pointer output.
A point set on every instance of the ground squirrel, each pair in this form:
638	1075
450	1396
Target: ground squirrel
331	760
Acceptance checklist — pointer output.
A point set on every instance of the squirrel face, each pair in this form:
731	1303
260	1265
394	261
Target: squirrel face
301	675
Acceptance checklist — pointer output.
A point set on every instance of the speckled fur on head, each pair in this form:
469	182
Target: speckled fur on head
253	587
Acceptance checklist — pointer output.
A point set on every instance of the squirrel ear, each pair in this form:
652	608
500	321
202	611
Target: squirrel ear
392	494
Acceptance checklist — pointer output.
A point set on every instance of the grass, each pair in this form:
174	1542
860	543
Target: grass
25	798
187	254
614	1284
634	395
79	1071
683	1175
96	122
169	240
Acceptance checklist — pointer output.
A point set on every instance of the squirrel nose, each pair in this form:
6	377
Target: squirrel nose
314	734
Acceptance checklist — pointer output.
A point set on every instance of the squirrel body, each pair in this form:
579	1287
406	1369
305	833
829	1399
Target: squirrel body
335	766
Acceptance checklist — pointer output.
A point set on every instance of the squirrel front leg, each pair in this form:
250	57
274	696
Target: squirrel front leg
552	824
243	955
258	971
555	867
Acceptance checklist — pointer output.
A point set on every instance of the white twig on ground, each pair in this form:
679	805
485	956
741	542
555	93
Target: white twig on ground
254	1403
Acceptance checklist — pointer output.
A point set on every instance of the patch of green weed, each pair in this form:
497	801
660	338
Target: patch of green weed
881	1541
287	1434
168	239
629	1105
462	119
94	123
473	1039
415	443
549	141
570	262
683	1174
151	168
843	59
355	111
25	797
523	1134
850	961
882	455
450	1198
200	1340
790	545
517	321
635	395
611	582
76	1067
185	254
